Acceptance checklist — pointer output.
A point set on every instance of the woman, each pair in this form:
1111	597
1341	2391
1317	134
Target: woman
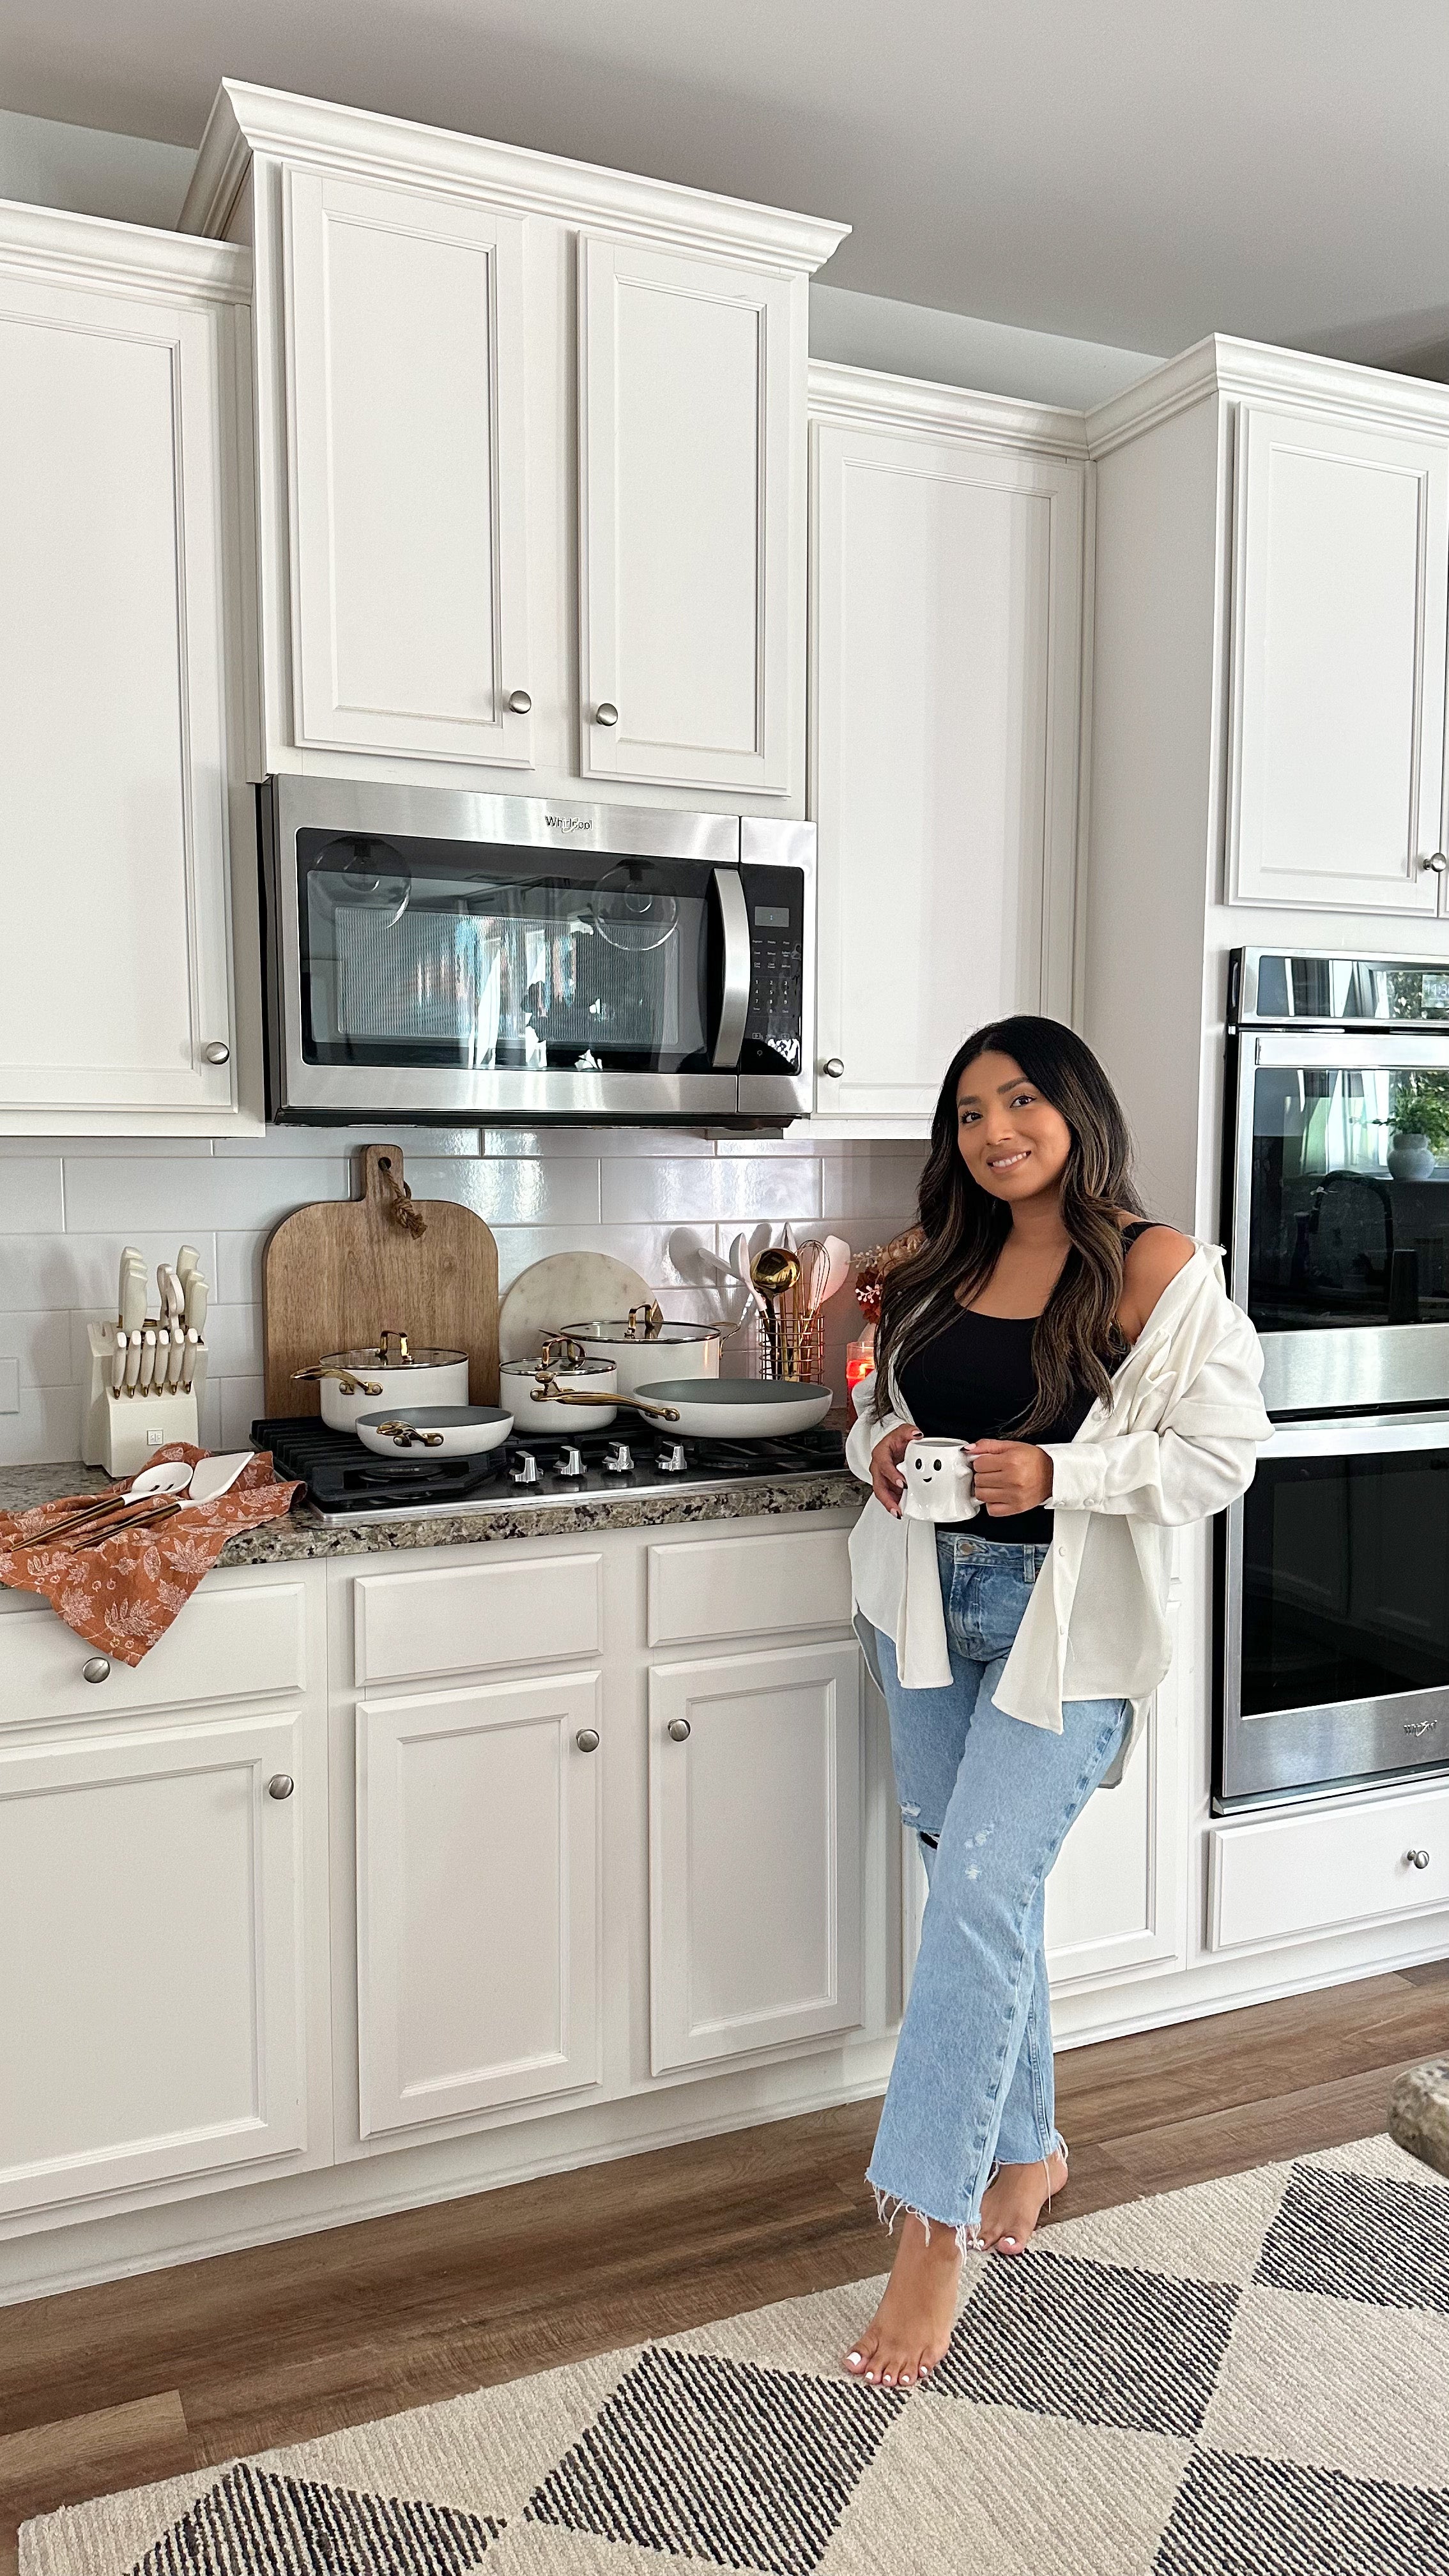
1109	1391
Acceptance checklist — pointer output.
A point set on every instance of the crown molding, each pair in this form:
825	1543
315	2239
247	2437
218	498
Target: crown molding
855	397
1249	370
247	121
91	249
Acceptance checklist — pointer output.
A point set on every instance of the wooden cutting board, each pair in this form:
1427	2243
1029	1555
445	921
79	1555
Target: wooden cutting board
338	1274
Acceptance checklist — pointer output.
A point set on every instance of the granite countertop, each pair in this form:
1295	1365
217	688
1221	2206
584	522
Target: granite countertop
304	1534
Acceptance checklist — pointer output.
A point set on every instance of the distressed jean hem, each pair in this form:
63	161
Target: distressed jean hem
889	2207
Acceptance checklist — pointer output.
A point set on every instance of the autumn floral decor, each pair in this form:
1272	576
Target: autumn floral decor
122	1594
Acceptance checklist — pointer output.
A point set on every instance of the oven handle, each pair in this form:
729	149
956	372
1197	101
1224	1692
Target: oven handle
1334	1436
734	1006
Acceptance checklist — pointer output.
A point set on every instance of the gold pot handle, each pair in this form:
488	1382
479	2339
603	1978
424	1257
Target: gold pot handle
348	1384
548	1391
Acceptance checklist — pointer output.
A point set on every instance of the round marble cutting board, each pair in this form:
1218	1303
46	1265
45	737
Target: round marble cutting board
565	1288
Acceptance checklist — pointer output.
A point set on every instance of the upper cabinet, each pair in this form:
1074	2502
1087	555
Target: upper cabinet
530	462
406	462
123	357
1340	584
689	517
947	534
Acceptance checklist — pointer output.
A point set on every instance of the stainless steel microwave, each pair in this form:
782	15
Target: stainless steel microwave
436	955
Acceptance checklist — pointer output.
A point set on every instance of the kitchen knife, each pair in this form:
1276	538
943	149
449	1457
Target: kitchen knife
119	1347
148	1358
178	1354
188	1363
197	1293
187	1260
133	1290
133	1361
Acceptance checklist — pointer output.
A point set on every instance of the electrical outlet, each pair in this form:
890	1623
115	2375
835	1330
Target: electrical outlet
9	1386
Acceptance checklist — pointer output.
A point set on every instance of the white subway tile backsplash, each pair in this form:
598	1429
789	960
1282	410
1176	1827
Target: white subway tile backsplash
66	1212
537	1191
177	1197
32	1195
719	1190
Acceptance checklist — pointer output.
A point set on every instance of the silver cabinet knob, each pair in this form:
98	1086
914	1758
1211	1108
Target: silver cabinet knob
833	1066
1417	1859
519	702
587	1739
218	1052
1436	865
679	1729
97	1668
605	714
280	1785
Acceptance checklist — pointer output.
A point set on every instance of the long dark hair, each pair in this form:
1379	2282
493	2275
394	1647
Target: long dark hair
1078	1340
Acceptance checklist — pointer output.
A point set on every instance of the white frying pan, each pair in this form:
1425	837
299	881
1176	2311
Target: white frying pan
739	1408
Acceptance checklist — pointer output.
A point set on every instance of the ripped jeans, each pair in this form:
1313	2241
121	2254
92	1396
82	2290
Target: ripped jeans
992	1800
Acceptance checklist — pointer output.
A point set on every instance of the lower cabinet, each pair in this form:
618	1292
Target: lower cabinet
151	2003
754	1843
478	1817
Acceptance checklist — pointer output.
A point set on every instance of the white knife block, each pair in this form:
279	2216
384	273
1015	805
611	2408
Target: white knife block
123	1432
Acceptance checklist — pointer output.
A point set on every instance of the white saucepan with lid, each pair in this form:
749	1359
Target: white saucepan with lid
644	1343
559	1389
354	1382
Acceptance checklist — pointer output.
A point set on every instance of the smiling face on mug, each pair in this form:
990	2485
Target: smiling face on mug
1011	1139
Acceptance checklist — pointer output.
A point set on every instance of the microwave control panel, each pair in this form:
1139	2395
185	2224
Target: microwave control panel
774	1023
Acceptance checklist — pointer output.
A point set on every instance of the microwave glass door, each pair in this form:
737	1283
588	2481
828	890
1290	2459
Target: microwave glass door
1337	1648
1348	1196
490	958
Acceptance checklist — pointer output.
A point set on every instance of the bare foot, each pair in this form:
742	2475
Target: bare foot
1013	2202
912	2326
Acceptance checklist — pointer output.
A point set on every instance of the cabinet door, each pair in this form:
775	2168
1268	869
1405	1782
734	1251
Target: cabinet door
114	966
687	377
478	1899
946	683
151	2019
754	1834
405	406
1341	577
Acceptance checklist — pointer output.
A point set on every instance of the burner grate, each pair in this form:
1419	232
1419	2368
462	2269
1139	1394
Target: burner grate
344	1478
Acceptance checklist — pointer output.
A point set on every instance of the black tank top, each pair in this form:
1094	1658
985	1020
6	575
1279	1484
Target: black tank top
975	1380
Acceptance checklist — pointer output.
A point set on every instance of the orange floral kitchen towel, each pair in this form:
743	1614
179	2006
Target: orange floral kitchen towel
123	1594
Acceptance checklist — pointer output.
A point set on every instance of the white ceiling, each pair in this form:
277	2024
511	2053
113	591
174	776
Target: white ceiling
1138	173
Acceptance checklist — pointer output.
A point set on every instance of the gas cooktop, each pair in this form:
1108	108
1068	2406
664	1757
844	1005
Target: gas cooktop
345	1482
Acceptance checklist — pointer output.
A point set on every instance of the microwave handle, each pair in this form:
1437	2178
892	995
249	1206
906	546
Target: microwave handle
729	1036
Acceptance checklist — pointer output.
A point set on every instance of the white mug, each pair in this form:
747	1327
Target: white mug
938	1481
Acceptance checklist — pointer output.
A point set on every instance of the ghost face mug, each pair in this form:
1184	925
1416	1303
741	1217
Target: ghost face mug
938	1481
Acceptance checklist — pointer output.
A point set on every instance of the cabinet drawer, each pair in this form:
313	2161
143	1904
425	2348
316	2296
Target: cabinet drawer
748	1587
225	1645
467	1618
1292	1875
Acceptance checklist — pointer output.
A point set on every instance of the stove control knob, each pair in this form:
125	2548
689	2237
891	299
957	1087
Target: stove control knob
524	1470
670	1460
569	1462
618	1458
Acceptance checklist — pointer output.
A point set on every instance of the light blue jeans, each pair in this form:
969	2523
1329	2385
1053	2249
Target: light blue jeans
992	1800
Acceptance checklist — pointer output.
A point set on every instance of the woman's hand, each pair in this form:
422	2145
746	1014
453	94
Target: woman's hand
886	1482
1007	1475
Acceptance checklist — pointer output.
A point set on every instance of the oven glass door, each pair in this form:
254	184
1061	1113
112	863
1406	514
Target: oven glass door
1348	1196
490	958
1337	1645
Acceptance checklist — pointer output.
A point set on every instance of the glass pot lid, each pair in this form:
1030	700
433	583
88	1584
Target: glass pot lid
392	1352
559	1354
643	1324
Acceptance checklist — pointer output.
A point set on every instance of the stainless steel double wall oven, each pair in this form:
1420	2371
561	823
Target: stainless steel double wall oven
1334	1572
508	959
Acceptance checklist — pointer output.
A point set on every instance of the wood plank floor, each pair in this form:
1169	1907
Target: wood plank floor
141	2379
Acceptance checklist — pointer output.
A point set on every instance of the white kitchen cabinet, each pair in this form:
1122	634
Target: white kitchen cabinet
530	444
405	405
1316	1868
1341	581
754	1833
123	361
478	1886
947	536
688	422
152	2005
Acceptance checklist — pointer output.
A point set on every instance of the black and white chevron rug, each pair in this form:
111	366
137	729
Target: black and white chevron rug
1249	2378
